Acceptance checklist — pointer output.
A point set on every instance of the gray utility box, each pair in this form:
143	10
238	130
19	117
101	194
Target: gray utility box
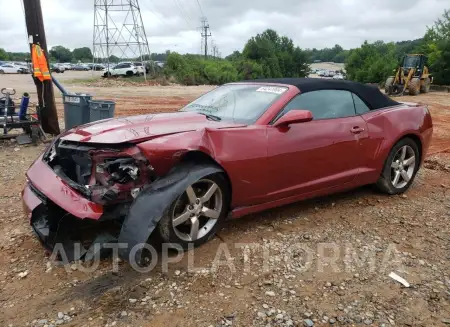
101	109
76	109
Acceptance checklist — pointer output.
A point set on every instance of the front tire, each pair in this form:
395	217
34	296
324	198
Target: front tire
425	87
195	216
400	168
414	86
388	84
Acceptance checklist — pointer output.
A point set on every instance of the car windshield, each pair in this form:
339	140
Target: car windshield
240	103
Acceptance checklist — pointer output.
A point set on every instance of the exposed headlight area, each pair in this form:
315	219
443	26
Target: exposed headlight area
104	175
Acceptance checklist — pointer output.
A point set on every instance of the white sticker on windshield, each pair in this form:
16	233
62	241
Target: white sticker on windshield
271	89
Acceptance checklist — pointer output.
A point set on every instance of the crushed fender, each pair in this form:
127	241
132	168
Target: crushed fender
151	203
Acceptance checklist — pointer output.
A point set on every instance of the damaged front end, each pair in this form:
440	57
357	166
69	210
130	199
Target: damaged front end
102	174
78	194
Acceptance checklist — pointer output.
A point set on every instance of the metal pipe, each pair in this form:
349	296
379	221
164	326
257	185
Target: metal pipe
59	86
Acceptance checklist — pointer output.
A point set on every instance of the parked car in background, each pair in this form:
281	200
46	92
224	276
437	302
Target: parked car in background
10	68
80	67
57	68
123	69
140	67
97	67
338	76
67	65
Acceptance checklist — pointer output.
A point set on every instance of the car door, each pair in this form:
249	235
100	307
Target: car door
118	70
126	67
319	154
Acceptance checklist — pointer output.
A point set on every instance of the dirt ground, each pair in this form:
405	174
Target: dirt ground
323	262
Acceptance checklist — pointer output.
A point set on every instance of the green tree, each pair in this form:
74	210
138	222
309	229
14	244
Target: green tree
114	59
437	48
82	54
277	55
3	54
61	54
372	62
235	56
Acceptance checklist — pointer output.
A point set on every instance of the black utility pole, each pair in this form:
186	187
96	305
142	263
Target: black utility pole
36	35
205	34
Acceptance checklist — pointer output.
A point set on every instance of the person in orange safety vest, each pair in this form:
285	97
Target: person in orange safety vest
40	65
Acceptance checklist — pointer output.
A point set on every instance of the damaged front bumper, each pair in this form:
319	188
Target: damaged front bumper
64	220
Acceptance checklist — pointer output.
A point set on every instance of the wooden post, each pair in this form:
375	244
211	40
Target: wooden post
46	98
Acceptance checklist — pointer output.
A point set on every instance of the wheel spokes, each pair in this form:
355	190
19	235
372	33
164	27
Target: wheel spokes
210	213
209	193
181	218
191	195
403	155
395	165
405	176
396	178
194	228
410	161
197	211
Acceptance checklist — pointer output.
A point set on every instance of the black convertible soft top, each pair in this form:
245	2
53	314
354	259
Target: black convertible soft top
370	94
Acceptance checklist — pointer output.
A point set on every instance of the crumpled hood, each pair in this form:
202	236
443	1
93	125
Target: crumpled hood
140	128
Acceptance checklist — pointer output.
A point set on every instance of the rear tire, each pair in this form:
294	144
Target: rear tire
389	82
206	227
400	167
425	88
414	86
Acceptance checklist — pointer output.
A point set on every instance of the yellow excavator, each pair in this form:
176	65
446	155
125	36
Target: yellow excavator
412	75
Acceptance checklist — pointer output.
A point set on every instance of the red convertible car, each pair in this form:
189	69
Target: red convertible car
241	148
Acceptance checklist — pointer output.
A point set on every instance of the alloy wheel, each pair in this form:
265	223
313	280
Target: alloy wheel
197	210
403	166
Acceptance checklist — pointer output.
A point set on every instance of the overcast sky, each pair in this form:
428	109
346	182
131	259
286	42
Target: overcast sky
173	24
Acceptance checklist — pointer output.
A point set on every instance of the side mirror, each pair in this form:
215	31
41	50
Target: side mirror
294	116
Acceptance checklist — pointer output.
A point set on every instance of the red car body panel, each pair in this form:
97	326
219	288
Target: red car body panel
267	166
44	179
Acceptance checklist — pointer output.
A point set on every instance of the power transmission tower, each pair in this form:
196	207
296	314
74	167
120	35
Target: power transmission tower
205	34
119	31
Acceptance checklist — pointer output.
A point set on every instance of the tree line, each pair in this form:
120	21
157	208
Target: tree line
60	53
264	55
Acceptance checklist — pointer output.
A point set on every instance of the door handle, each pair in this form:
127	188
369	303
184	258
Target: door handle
357	130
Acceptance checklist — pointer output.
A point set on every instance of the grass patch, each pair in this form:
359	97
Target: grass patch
82	80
